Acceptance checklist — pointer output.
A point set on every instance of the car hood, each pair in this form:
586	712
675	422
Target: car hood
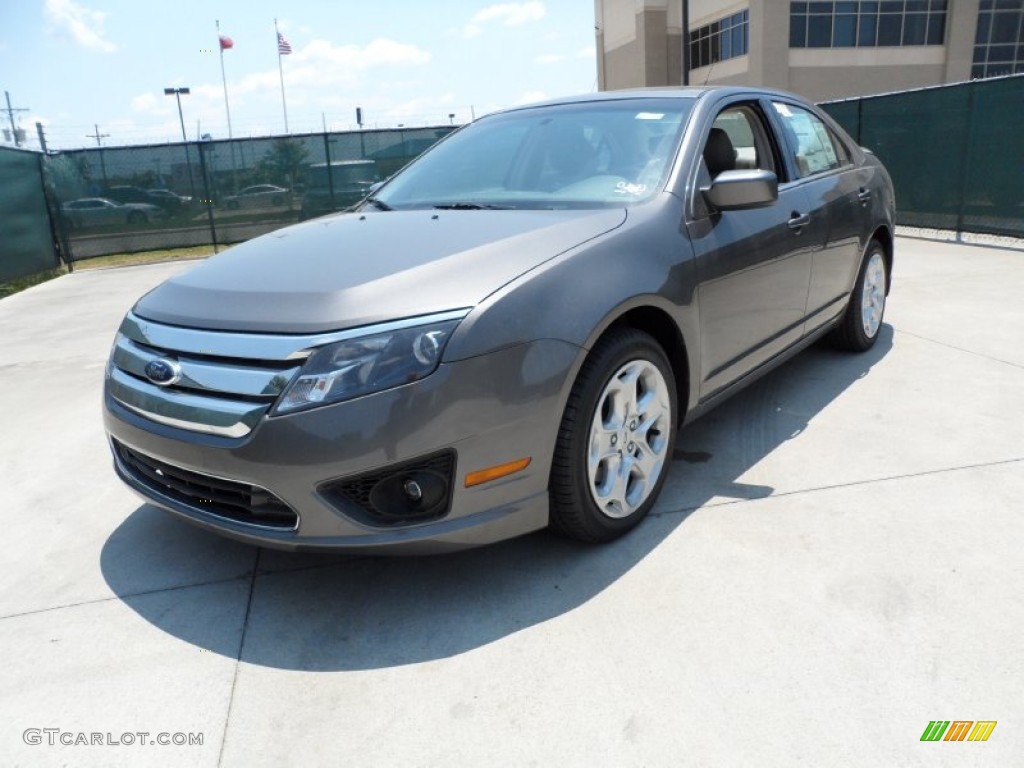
356	269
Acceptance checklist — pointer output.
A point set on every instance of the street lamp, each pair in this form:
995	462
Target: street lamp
176	93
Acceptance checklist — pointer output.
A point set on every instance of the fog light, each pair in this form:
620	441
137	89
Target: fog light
409	495
413	490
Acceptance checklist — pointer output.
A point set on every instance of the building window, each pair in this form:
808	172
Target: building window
999	41
867	24
720	40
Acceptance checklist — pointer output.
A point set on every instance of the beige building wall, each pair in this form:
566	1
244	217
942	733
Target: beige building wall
639	44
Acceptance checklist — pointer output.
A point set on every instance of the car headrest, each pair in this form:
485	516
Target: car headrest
719	154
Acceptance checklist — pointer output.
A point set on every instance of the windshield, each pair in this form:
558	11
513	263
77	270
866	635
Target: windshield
588	155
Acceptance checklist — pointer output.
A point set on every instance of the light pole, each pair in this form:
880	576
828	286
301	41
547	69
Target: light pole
176	93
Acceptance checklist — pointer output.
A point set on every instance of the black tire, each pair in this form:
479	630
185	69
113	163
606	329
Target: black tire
851	334
573	509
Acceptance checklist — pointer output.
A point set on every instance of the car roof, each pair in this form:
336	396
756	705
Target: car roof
659	92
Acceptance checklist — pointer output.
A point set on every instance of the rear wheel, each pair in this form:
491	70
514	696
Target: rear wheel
858	330
615	440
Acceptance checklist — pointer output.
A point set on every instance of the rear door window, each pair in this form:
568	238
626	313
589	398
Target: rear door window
809	140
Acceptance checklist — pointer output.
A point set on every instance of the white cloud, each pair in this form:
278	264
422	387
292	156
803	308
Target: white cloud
550	58
83	24
508	14
512	14
530	97
379	52
144	102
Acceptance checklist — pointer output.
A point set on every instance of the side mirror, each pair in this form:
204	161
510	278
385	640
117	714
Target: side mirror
736	190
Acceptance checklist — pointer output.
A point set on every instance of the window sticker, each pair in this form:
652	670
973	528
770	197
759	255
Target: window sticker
626	188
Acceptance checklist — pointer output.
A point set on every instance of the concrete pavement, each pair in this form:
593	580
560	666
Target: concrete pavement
837	559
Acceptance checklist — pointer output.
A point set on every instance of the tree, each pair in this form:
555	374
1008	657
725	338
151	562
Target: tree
283	162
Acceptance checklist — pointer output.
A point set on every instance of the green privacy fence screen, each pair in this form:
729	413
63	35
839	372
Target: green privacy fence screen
26	239
144	198
955	152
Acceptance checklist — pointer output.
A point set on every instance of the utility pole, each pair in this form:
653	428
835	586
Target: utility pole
99	143
10	116
42	136
98	136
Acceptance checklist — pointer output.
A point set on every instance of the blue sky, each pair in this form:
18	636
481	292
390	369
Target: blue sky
76	63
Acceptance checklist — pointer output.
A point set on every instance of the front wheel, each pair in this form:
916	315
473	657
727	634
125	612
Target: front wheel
858	330
615	440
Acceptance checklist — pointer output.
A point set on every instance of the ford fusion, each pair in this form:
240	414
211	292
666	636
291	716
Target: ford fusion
510	332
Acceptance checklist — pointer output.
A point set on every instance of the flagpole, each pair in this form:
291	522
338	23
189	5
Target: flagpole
224	79
280	69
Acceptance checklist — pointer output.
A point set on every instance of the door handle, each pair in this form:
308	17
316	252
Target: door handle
799	220
864	195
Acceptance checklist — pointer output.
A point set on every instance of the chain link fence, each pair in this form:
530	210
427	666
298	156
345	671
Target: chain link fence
145	198
27	243
954	152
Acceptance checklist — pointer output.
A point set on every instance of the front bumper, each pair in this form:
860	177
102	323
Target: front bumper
486	410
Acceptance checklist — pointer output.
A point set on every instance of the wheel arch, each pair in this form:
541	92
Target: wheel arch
884	236
659	325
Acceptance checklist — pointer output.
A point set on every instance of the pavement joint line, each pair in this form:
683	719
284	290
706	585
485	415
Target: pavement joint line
128	596
157	591
851	484
238	657
961	349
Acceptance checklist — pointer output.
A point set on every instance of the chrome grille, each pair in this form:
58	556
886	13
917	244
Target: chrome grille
227	381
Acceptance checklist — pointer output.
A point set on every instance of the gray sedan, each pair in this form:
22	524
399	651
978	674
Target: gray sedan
510	333
99	211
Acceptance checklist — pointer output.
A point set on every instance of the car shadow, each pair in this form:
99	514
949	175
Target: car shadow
330	612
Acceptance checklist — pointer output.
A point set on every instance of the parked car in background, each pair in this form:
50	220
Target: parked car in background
167	199
341	186
258	196
124	193
99	211
510	332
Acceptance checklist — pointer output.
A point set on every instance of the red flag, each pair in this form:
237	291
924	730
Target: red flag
226	42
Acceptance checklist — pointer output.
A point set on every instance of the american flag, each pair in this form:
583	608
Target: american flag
283	46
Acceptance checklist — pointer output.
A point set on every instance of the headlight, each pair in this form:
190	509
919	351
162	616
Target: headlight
367	364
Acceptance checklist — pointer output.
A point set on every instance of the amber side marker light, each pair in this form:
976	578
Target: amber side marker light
493	473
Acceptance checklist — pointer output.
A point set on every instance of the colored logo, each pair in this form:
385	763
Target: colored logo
162	372
958	730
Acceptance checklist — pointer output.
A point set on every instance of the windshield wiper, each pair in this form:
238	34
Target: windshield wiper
380	205
470	207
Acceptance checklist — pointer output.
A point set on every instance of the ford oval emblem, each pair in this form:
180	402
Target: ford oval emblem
162	372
